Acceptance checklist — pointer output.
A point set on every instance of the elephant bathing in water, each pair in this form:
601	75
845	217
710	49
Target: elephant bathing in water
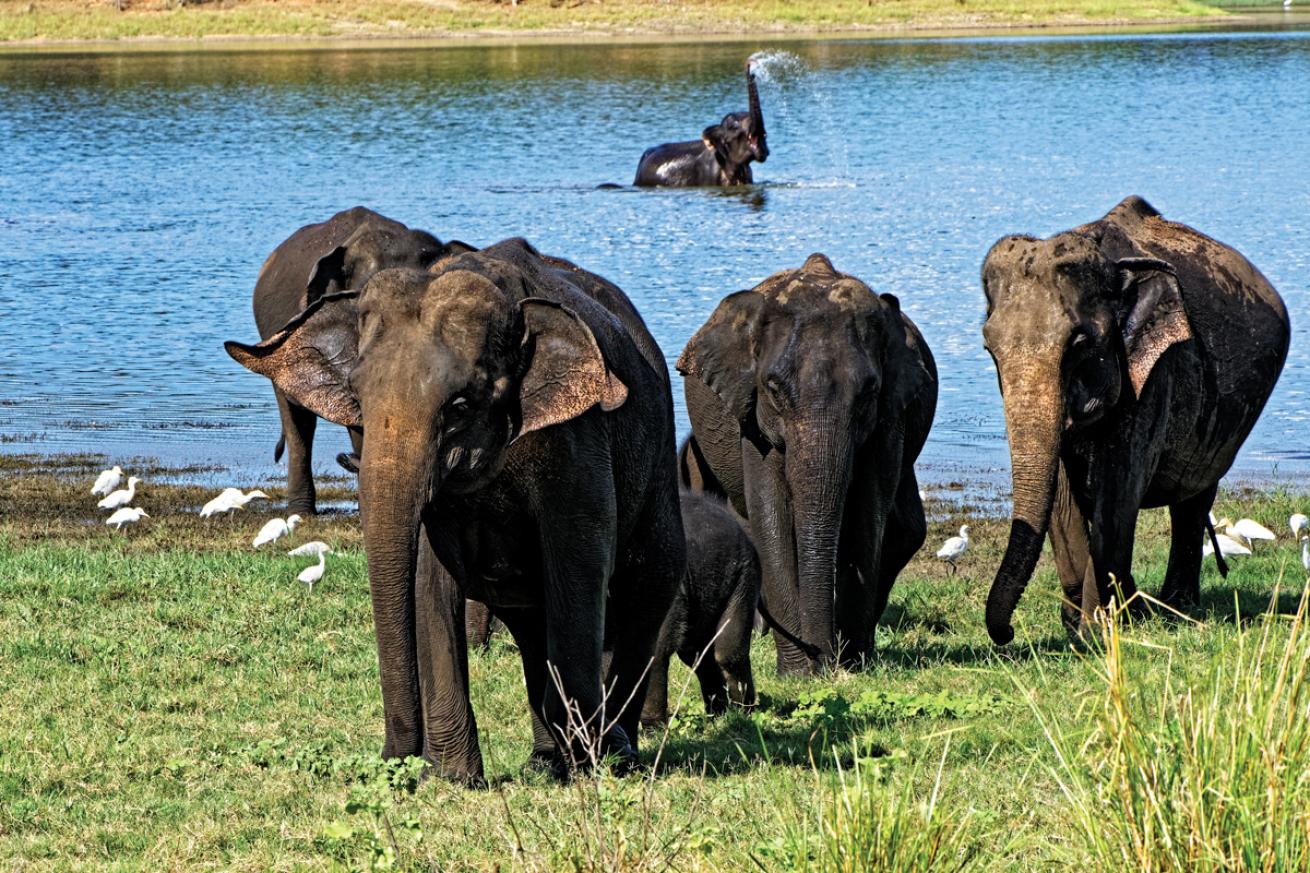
722	155
518	449
810	398
335	255
1134	356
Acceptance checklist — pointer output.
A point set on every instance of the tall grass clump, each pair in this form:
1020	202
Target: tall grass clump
1211	774
875	820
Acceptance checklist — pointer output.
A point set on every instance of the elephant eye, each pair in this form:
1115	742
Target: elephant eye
458	404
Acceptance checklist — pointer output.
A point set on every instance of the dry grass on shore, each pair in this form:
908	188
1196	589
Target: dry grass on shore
56	20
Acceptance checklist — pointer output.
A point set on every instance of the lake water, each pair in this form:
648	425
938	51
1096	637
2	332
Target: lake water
140	192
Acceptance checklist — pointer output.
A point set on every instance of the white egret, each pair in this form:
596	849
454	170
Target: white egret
1299	524
1305	553
953	548
228	500
1228	547
1251	530
315	547
310	575
121	497
126	515
275	529
107	480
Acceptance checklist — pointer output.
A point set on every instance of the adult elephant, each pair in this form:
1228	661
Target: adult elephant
810	398
722	155
518	449
339	254
1134	356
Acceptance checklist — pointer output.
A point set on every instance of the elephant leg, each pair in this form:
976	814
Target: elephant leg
640	597
1182	579
298	426
1111	537
528	628
477	624
713	688
771	528
906	531
854	617
1071	549
655	708
732	647
450	732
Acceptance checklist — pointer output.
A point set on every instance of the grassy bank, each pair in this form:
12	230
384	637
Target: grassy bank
175	700
44	20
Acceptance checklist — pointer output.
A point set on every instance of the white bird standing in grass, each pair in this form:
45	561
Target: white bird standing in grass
1228	547
1305	553
121	497
126	515
1299	524
228	500
275	529
1250	531
107	480
314	547
953	548
310	575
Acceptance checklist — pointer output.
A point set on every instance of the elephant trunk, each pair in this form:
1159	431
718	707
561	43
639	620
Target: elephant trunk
391	507
1034	417
758	140
818	475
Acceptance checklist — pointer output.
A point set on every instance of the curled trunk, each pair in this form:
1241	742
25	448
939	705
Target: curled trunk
1034	414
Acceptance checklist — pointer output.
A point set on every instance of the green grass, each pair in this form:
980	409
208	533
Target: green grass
174	700
167	19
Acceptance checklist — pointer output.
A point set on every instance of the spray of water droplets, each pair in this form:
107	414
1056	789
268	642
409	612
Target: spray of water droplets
811	150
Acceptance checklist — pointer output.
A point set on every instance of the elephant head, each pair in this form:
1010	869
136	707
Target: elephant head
1075	333
443	372
373	246
740	137
811	363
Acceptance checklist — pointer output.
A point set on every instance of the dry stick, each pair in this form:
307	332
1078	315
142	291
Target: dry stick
664	739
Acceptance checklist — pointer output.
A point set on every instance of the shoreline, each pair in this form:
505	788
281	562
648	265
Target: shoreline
639	35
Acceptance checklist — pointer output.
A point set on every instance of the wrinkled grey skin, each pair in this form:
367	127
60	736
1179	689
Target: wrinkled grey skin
810	398
517	450
339	254
1135	355
713	613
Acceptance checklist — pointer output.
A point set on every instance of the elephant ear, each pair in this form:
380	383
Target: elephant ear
904	359
712	137
1152	314
330	269
310	359
566	373
722	354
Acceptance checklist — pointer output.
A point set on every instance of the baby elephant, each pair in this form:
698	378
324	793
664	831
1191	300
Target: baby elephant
719	594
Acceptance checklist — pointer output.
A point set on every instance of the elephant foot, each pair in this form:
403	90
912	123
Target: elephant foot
349	462
618	752
547	762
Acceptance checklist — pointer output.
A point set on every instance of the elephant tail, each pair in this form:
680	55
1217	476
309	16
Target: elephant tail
279	448
809	650
1218	555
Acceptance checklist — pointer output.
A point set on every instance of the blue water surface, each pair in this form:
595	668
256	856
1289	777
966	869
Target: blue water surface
140	192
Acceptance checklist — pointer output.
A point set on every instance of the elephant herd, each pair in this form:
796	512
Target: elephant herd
513	432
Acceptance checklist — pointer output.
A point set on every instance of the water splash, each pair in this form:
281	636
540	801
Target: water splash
803	129
777	67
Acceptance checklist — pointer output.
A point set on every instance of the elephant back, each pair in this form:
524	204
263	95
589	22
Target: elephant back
1235	313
